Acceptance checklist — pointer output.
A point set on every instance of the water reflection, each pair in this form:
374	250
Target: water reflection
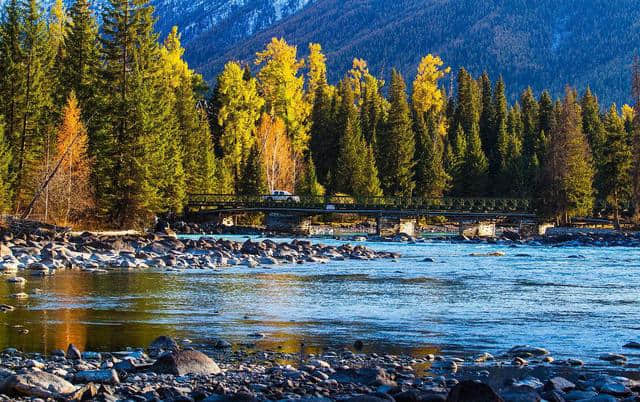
577	308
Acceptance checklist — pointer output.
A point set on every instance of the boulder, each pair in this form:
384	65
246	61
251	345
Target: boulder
559	384
472	391
520	394
185	362
164	343
420	396
39	384
98	376
73	352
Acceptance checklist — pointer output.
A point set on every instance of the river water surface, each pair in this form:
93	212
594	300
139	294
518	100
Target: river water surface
576	307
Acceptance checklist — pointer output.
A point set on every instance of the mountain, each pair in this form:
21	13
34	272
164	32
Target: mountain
542	43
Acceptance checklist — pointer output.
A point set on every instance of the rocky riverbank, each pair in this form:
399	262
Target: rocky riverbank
44	251
171	371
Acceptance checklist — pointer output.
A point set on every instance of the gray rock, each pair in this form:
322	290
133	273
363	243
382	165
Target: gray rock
164	343
38	384
520	394
73	352
559	384
98	376
576	395
614	388
185	362
527	351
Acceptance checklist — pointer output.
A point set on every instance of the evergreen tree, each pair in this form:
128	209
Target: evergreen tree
499	158
568	171
308	184
35	108
253	180
325	138
476	165
57	37
487	126
82	62
594	130
5	178
133	153
11	80
616	165
533	143
457	153
398	143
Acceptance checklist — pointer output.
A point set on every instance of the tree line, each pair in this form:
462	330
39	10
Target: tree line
110	124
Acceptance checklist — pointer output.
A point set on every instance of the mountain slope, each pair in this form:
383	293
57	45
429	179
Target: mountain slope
545	43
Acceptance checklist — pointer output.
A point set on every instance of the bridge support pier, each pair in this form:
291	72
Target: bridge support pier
478	229
390	226
295	224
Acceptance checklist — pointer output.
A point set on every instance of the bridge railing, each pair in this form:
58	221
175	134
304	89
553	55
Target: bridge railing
342	202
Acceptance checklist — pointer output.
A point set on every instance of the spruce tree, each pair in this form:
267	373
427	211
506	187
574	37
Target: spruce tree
615	167
325	138
5	177
35	110
81	67
487	131
499	156
458	152
568	172
308	184
135	150
398	144
431	178
594	130
253	180
475	166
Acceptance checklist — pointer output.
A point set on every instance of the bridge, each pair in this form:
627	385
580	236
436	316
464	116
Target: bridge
391	213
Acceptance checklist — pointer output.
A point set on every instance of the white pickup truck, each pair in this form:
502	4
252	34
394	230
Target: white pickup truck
281	196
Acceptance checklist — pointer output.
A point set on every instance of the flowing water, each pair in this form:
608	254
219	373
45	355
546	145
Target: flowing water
576	307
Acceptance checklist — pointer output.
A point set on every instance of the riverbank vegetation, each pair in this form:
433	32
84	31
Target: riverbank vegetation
112	125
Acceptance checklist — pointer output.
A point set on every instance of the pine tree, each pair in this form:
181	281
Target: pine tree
398	143
616	164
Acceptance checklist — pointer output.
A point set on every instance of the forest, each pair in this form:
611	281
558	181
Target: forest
109	126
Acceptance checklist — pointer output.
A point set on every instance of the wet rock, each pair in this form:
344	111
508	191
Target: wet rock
185	362
164	343
615	389
577	395
483	358
632	345
38	384
420	396
613	358
98	376
553	396
238	397
559	384
73	352
531	382
366	376
374	397
527	351
471	391
358	345
520	394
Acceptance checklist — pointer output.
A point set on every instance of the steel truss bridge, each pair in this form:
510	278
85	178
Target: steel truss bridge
217	204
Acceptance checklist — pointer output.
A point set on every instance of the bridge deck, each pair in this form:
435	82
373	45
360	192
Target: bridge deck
464	207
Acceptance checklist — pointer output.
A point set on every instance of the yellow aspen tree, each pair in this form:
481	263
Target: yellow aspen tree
277	153
283	89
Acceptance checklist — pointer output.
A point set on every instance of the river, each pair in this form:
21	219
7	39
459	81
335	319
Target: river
575	307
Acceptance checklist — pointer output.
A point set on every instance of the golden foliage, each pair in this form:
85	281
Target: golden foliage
277	153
